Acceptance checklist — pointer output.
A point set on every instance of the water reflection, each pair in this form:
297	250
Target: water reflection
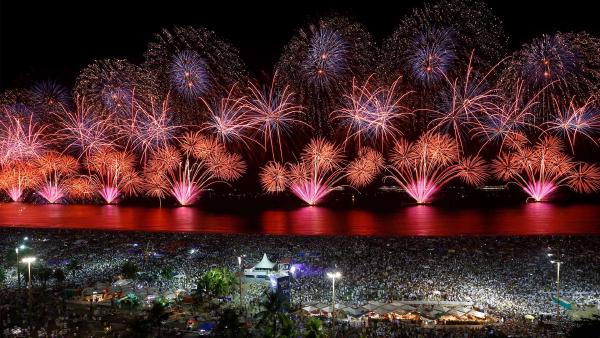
529	219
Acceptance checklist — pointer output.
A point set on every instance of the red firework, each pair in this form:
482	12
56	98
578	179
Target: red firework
55	169
422	168
113	172
543	168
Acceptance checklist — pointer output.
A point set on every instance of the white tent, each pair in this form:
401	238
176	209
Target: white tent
264	264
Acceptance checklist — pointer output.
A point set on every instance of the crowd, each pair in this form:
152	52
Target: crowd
507	277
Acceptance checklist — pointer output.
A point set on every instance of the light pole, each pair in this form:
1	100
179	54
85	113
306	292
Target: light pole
558	263
333	276
241	273
20	247
29	260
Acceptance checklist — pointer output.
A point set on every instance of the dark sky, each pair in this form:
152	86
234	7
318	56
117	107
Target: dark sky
54	39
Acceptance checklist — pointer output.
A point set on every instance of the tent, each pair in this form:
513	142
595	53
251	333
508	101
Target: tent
264	264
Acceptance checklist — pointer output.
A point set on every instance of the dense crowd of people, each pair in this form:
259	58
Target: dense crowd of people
507	277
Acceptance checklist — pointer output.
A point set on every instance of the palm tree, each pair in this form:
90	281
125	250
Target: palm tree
138	327
157	314
314	328
272	306
229	325
59	275
43	274
73	266
129	270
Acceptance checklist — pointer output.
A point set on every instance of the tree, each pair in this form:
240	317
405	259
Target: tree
129	270
218	282
43	274
588	328
157	314
2	275
272	307
314	328
59	275
230	325
138	327
73	266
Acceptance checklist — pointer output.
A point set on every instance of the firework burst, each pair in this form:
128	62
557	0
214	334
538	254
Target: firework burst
274	115
576	120
55	170
113	172
543	168
373	115
425	166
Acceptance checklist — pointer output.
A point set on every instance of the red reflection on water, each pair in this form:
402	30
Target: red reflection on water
529	219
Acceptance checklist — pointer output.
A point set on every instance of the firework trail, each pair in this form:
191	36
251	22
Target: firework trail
422	168
55	170
18	176
192	63
149	128
274	115
320	62
566	63
543	168
464	104
576	120
373	115
83	131
21	138
113	173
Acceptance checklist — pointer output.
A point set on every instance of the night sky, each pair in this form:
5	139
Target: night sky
54	40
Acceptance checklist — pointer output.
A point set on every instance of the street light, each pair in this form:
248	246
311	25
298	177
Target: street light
333	276
29	260
558	263
20	247
241	273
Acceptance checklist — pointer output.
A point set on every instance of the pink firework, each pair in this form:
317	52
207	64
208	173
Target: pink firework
149	127
21	138
274	115
373	115
18	176
84	129
422	168
113	172
576	120
55	169
543	168
230	120
507	126
187	182
464	104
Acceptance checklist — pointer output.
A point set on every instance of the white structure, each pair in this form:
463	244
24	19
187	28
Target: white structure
265	269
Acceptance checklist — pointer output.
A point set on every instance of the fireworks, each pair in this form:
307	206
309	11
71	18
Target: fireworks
576	120
428	108
49	96
113	173
274	177
320	62
543	168
274	116
188	74
425	166
373	115
55	170
566	63
83	131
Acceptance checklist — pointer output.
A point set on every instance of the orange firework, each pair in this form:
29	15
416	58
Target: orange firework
365	167
18	176
114	173
55	169
274	177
